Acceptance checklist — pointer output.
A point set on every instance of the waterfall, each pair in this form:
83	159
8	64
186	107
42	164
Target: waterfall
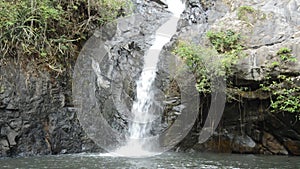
143	116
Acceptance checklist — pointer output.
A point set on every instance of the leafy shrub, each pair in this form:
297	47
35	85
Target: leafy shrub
227	43
199	60
51	31
211	62
285	94
284	90
285	55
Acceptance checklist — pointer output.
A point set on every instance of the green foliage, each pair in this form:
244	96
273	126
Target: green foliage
275	64
243	10
51	31
110	9
249	14
211	62
198	59
285	55
225	41
285	94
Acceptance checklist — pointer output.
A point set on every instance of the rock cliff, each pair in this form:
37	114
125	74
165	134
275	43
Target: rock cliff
37	115
248	125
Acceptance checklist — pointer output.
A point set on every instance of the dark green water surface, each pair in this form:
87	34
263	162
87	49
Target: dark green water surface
163	161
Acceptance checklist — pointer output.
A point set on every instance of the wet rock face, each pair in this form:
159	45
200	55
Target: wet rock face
194	14
248	126
34	116
251	131
273	145
293	147
36	113
267	28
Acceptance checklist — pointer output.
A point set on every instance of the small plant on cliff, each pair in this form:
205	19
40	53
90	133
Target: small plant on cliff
243	10
225	41
249	14
285	55
198	59
228	44
275	64
214	61
285	94
284	90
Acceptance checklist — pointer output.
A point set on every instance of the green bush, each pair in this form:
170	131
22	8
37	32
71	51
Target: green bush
285	55
211	62
227	43
284	89
285	94
52	31
199	60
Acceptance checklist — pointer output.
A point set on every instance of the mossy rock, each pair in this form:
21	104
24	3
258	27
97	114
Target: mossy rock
250	15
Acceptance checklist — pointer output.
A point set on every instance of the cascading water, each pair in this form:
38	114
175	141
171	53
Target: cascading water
143	116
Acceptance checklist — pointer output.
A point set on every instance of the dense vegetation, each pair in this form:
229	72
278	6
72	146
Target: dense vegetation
51	32
284	90
213	61
219	57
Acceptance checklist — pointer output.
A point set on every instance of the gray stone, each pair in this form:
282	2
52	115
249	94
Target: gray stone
35	119
11	136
